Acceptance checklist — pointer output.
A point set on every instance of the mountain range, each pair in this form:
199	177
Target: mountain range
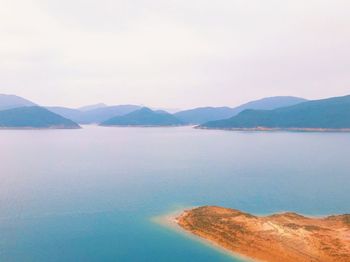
331	113
12	101
205	114
92	107
95	115
282	112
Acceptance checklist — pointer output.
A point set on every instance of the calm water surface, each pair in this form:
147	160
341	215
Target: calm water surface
90	194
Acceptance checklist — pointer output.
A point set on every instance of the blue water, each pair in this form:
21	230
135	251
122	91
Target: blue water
90	194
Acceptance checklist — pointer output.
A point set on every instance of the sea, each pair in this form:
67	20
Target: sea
92	194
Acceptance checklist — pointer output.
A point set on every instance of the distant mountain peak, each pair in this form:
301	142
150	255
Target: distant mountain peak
8	101
94	116
273	102
146	109
92	107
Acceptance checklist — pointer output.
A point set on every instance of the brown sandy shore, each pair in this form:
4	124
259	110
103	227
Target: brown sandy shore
287	237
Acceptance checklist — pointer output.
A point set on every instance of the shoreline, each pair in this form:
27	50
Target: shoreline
170	221
268	237
40	128
291	129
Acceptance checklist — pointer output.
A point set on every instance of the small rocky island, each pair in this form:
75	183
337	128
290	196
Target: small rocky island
287	237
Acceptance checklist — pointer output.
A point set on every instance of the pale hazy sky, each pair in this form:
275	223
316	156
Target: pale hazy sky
173	53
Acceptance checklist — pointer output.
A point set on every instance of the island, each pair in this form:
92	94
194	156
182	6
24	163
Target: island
287	237
34	117
144	117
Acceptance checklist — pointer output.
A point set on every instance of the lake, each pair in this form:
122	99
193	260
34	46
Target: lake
91	194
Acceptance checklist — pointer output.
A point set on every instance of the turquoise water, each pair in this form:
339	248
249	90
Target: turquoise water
90	194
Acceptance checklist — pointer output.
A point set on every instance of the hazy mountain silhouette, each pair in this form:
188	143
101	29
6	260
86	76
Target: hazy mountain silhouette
13	101
92	107
144	117
206	114
331	113
93	116
33	117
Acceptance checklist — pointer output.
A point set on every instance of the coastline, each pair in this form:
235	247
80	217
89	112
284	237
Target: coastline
269	238
291	129
141	125
170	221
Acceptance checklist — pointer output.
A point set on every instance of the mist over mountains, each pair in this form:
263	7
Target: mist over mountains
13	101
205	114
270	112
95	115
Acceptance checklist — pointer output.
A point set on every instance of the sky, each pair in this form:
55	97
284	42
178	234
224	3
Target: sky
173	53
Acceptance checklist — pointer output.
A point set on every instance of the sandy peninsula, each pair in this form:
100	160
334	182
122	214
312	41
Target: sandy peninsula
287	237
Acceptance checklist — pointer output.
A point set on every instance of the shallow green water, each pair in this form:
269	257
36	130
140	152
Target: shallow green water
90	194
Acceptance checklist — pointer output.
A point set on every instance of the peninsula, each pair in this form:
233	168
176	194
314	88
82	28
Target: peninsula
287	237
